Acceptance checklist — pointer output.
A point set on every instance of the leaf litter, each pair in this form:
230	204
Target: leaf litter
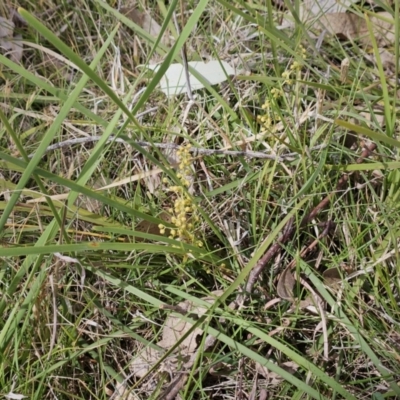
173	330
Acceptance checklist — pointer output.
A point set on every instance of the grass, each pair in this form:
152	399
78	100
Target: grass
104	245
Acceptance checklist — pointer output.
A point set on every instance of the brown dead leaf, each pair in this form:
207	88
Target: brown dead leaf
345	25
122	392
12	48
383	29
151	227
150	25
308	304
286	284
143	362
332	277
145	21
350	26
174	328
311	10
388	59
133	14
272	377
10	45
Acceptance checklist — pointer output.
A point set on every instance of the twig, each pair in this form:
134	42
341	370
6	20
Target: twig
171	146
329	226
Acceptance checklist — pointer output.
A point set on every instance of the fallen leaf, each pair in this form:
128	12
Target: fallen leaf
174	80
151	227
308	304
388	59
319	7
122	392
10	45
331	15
344	25
286	284
12	48
145	21
311	10
15	396
383	29
332	277
143	362
174	328
354	27
272	377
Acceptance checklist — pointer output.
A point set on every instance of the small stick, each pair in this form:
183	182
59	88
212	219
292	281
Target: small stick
194	150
